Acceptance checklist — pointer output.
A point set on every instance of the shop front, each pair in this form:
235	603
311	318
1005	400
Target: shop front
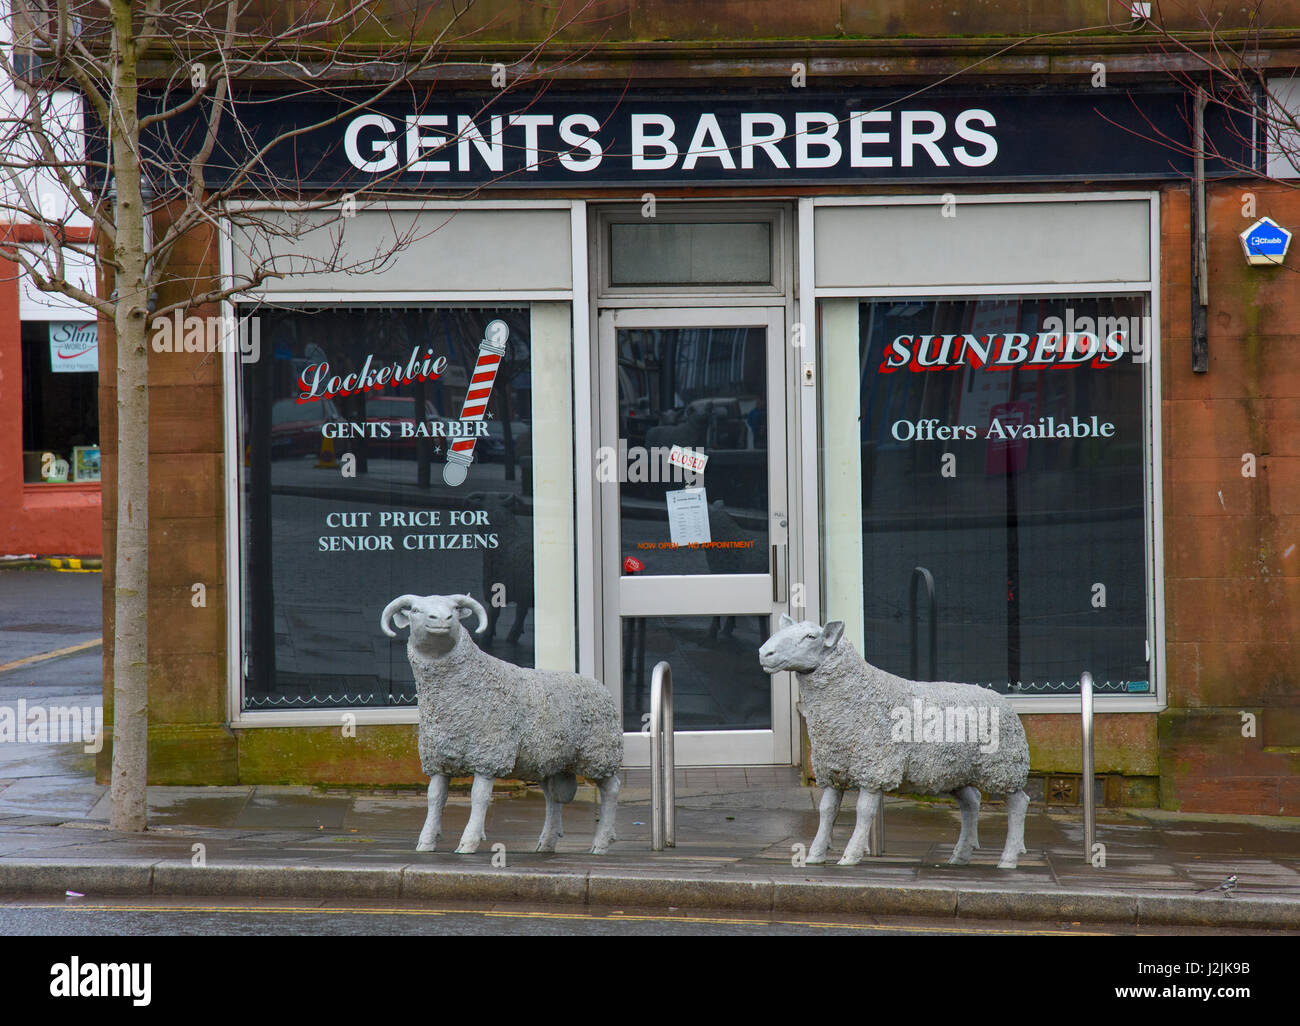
49	426
700	361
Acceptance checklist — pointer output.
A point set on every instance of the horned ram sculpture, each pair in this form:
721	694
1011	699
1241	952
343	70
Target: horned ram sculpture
483	716
876	732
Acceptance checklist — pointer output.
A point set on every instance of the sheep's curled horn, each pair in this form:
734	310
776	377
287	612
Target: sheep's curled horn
399	604
472	603
403	602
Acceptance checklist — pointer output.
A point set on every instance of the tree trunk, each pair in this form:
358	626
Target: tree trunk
131	566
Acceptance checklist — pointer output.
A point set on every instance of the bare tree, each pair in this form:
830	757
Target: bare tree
161	86
1222	58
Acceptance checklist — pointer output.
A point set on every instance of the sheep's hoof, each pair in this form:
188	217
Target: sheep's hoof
815	860
467	848
959	860
849	861
1005	864
426	846
600	849
546	846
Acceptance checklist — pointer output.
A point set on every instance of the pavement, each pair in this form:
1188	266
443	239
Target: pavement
737	832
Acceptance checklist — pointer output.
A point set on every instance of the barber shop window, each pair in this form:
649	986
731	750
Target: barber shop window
385	451
999	453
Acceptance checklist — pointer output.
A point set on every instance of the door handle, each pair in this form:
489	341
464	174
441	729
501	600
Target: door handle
778	574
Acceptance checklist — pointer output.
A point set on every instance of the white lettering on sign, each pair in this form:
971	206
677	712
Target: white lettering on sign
703	142
688	459
318	382
1002	351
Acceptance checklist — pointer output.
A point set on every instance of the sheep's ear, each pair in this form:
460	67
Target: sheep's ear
832	633
786	620
464	612
401	619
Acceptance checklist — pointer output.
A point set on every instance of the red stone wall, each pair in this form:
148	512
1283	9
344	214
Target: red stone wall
1232	542
189	742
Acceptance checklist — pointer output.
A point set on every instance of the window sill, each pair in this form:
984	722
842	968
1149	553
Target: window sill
61	493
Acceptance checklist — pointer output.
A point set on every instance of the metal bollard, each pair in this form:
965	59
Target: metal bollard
1089	799
663	813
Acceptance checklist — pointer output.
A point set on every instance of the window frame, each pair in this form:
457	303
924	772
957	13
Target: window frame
574	298
1152	701
669	211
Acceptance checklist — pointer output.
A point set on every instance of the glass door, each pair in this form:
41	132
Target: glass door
691	475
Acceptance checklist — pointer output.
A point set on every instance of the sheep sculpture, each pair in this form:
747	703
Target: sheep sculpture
876	732
483	716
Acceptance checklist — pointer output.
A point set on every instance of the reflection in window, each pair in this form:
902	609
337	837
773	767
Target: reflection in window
703	389
345	504
1020	487
718	683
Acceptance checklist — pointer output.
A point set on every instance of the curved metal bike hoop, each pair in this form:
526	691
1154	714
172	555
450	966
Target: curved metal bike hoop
663	818
920	573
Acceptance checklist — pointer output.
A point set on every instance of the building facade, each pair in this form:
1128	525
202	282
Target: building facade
49	422
703	334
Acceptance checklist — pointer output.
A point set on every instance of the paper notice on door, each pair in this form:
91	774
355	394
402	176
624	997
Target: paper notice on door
688	517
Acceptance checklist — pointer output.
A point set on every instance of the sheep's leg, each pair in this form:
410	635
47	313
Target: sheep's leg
868	802
1017	805
552	829
609	788
480	797
433	824
829	809
969	839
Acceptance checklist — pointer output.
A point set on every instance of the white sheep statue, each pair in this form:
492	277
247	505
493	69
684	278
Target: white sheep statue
876	732
482	715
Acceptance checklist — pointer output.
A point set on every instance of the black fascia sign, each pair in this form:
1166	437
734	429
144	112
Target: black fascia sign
452	140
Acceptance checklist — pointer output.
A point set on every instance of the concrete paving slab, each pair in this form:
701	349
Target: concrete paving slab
280	811
68	796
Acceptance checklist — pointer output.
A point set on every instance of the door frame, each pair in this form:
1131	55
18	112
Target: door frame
708	747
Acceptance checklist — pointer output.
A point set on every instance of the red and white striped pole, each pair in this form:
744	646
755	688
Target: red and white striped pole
460	454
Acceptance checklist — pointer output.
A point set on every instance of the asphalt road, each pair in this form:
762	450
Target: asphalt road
233	917
191	918
45	611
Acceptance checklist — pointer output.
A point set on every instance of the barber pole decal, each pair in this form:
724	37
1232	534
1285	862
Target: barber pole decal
490	353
